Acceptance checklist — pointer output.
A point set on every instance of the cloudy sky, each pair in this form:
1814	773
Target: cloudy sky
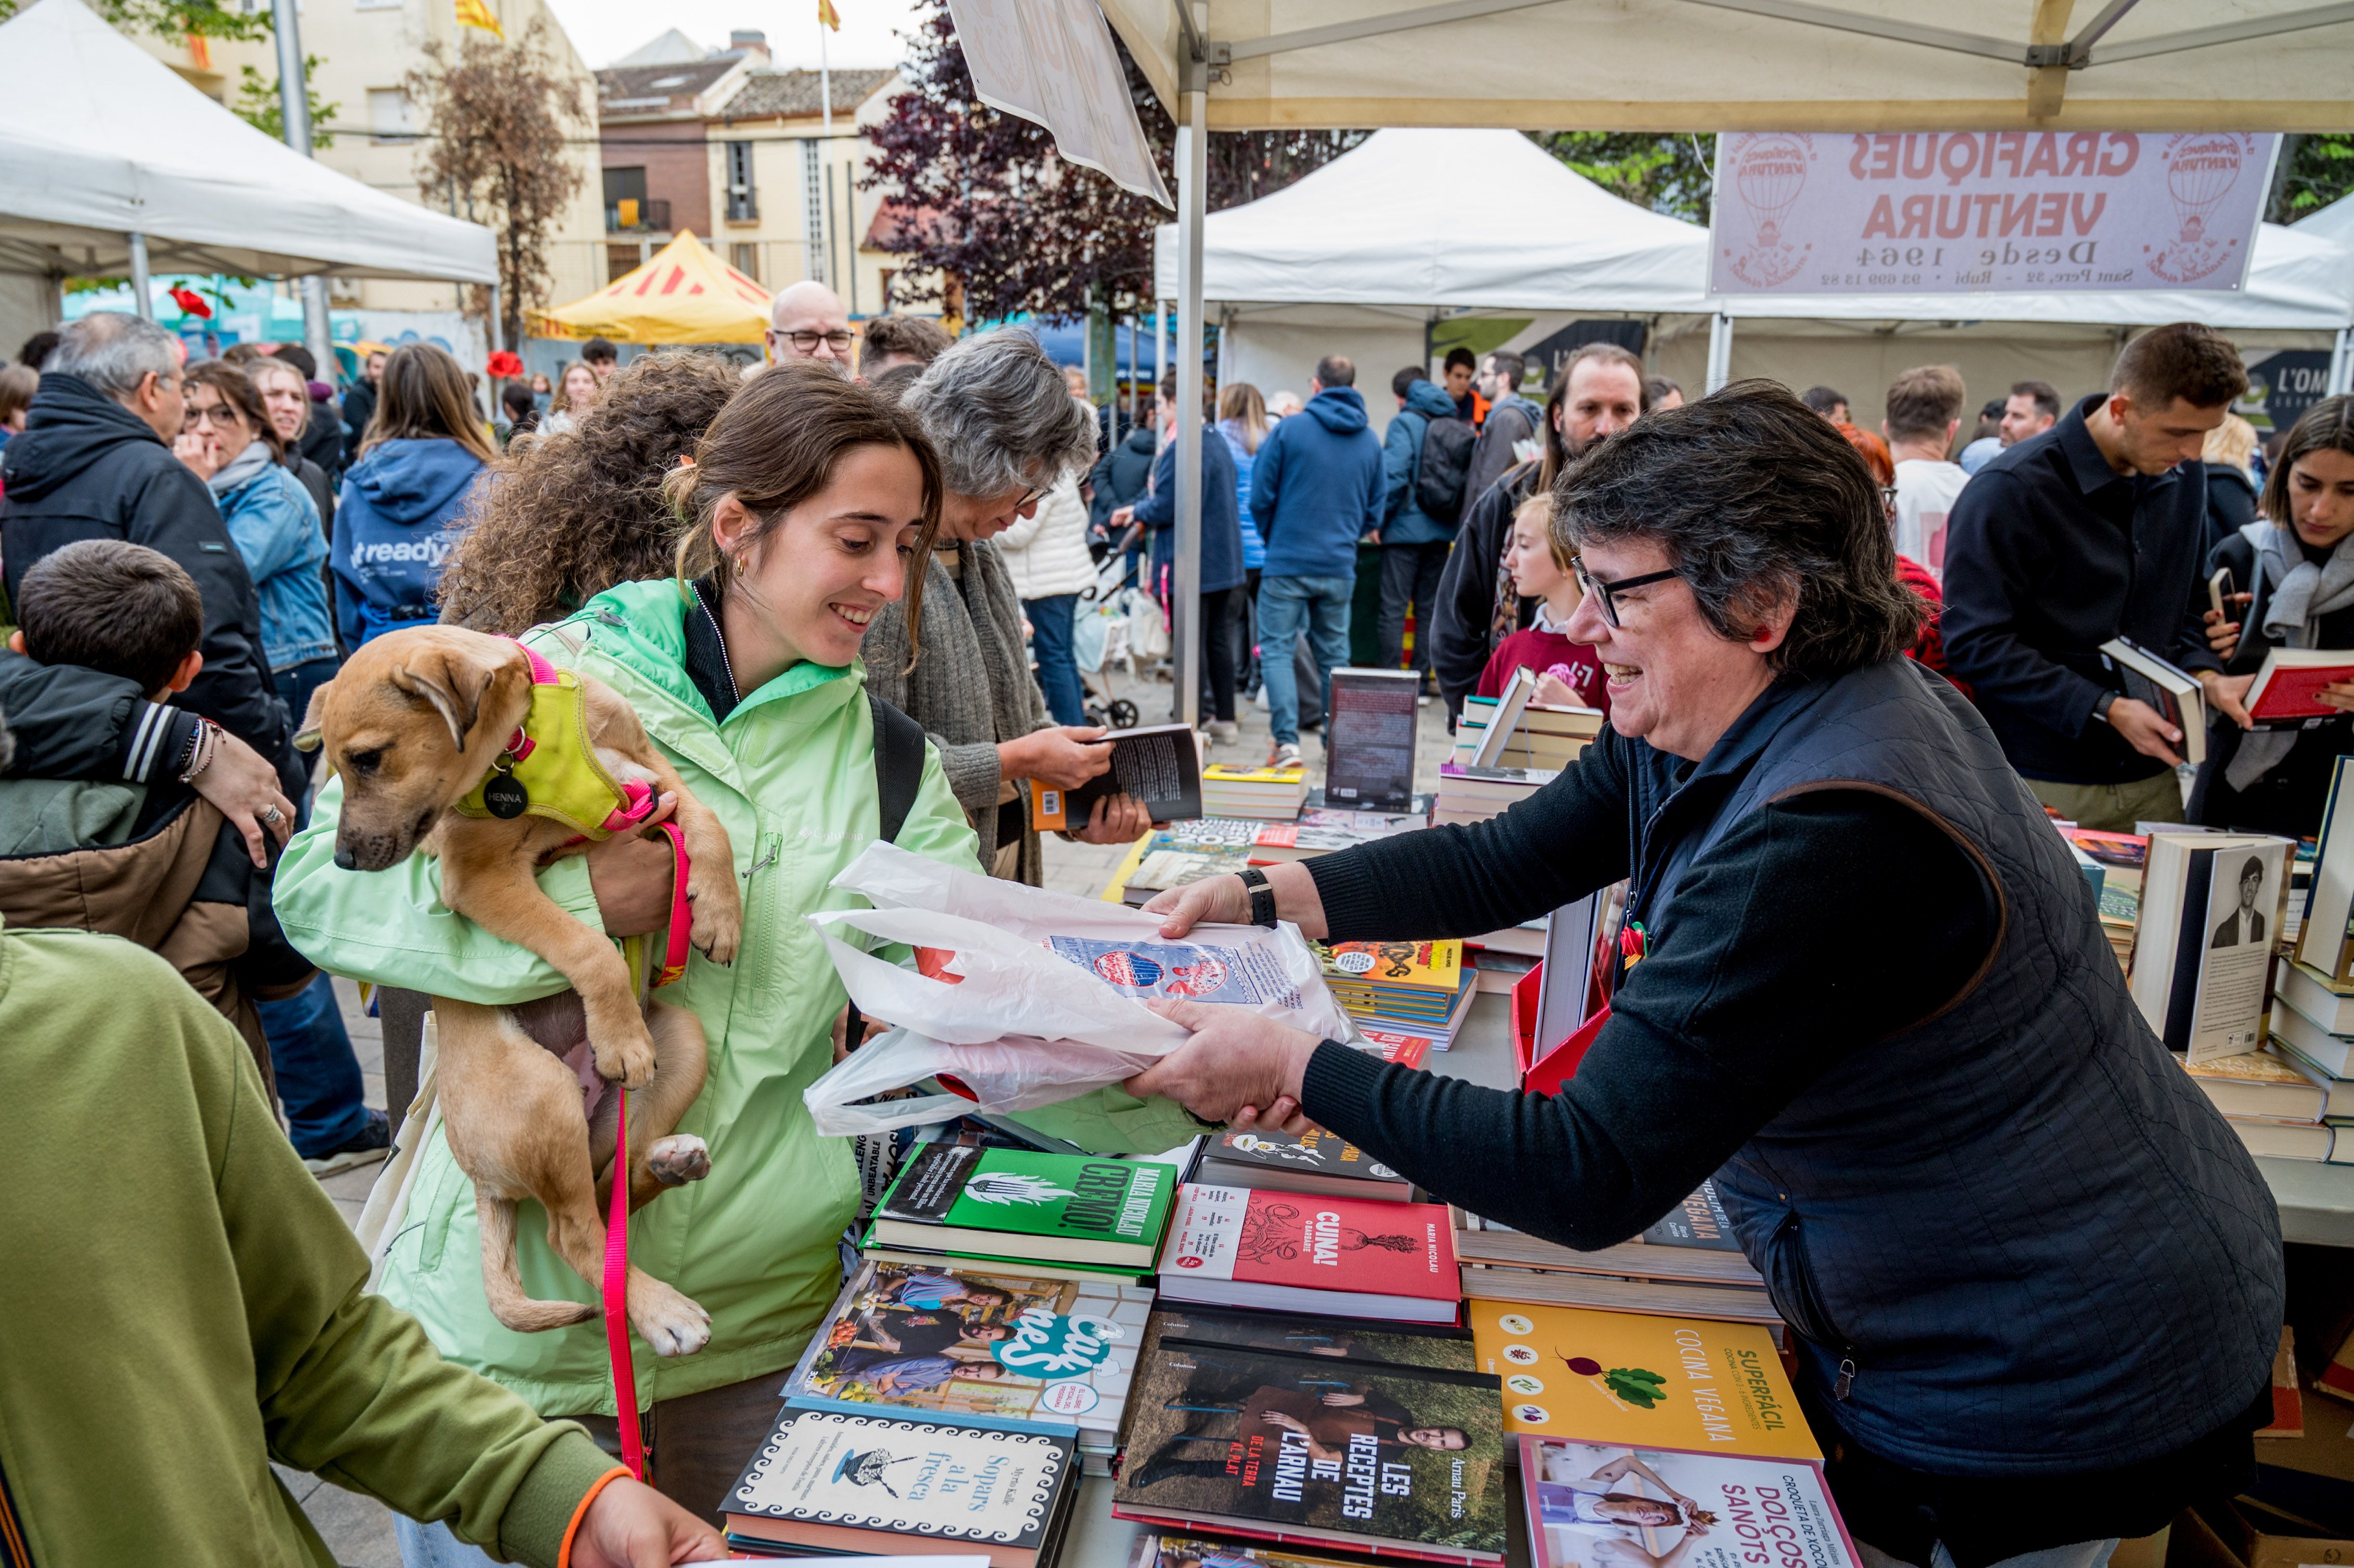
603	30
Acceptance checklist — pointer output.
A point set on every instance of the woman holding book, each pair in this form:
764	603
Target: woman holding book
2294	568
2035	1278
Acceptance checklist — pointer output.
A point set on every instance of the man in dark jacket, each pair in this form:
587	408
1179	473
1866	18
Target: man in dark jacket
1221	552
1316	490
1414	543
2093	530
359	405
95	462
1511	420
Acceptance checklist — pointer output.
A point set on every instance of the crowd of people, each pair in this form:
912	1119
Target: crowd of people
841	592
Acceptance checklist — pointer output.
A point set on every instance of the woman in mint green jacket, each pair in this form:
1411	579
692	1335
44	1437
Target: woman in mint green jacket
812	497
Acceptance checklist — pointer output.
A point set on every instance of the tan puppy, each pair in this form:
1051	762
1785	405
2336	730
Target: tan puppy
413	722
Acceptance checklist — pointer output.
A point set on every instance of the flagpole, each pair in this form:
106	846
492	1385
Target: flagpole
824	77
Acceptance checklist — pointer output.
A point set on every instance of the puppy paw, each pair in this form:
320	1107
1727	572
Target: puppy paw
628	1061
717	911
677	1160
670	1322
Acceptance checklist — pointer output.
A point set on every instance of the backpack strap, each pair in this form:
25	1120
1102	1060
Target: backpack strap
898	764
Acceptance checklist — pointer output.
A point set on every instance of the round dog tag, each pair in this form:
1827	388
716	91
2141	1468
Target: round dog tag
506	795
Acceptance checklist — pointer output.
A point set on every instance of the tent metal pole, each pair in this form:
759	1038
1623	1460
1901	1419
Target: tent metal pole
1719	350
1160	340
142	299
2341	362
1185	593
294	113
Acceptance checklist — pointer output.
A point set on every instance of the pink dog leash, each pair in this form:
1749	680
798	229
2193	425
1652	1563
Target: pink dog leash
617	1223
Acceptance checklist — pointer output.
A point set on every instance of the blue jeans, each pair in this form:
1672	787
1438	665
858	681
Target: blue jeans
295	685
318	1075
1287	606
436	1546
1049	641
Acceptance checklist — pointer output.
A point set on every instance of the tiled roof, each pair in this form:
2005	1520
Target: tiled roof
794	94
659	86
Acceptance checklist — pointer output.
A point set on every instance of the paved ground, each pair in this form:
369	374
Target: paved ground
358	1529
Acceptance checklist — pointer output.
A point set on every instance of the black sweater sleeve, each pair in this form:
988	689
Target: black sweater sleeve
1772	966
68	722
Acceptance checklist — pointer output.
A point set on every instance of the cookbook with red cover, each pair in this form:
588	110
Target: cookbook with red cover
1301	1252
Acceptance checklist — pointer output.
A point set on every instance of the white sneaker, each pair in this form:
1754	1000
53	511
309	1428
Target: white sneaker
1225	732
1284	756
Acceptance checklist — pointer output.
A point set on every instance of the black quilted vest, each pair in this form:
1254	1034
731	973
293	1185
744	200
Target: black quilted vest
2019	1229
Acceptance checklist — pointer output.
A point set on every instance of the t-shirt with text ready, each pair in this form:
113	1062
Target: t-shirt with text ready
1925	493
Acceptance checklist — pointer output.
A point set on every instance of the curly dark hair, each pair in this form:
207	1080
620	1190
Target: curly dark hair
567	516
1756	500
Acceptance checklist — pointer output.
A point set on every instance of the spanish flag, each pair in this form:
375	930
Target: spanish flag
828	15
477	14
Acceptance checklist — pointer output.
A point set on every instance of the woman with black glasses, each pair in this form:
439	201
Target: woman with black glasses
1865	989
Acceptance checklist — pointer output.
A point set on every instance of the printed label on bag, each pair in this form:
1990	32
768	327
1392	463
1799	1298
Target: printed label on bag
1189	971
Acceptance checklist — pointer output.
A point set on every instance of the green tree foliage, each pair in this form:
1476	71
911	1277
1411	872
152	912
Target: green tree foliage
2313	172
1668	173
170	18
259	105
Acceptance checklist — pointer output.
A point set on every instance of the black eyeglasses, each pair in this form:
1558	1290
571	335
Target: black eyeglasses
1606	593
807	341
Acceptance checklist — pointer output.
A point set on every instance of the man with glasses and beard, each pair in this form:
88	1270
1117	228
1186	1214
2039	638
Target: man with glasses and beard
807	321
1598	393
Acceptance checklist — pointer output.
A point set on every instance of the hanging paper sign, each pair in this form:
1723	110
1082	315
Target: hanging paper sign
1986	211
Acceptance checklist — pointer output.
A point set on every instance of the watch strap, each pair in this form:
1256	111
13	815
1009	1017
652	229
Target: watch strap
1262	897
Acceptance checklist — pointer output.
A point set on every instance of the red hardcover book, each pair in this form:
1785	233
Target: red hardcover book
1235	1246
2285	690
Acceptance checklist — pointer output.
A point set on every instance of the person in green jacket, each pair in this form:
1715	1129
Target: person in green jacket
811	497
173	1323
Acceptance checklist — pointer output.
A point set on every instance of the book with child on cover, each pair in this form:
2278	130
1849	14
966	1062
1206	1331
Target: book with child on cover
1405	1461
1602	1503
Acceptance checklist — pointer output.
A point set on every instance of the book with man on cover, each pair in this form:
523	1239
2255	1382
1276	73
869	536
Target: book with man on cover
1403	1461
2211	911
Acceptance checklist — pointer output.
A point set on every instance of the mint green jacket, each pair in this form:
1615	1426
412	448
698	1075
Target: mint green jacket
791	776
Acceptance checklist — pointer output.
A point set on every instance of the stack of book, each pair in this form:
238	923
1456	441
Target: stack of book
1529	737
1316	1162
1403	988
2313	1035
2121	858
1469	793
1687	1264
1262	794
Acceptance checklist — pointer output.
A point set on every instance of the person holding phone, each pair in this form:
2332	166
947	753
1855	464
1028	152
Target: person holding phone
2294	569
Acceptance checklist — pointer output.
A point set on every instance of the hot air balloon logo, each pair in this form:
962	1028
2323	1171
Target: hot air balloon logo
1767	173
2201	171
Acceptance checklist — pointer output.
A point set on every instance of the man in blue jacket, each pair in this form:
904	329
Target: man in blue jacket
1222	552
1414	543
1316	490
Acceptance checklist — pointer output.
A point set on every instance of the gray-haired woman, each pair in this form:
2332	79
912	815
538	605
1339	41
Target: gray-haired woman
1008	431
1872	1000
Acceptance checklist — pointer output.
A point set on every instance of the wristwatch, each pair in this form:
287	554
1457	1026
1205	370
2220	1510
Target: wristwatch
2102	704
1262	897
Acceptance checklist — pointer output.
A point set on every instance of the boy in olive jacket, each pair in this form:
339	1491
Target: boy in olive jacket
173	1322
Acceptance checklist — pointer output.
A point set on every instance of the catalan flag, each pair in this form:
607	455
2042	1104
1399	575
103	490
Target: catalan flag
477	14
828	15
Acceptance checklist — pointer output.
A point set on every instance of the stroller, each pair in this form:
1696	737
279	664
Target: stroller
1116	622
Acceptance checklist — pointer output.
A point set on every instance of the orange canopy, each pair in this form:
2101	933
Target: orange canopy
685	294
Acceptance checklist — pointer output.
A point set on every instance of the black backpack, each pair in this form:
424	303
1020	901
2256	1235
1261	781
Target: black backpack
1444	467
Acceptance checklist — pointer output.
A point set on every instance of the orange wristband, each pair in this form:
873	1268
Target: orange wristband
564	1554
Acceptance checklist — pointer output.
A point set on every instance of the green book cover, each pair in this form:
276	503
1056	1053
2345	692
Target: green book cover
1055	1197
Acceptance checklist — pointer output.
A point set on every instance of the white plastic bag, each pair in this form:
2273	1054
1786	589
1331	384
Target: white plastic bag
1039	997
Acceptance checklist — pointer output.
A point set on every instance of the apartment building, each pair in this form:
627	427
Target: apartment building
365	51
748	157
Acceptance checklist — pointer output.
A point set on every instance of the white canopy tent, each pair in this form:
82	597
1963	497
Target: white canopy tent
110	163
1415	224
1704	64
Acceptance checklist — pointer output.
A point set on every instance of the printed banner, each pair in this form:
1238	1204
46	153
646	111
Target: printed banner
1984	211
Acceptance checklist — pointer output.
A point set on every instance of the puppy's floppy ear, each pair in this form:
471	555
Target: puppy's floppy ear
458	677
307	737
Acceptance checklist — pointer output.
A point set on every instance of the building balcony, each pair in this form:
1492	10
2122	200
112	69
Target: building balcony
633	216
